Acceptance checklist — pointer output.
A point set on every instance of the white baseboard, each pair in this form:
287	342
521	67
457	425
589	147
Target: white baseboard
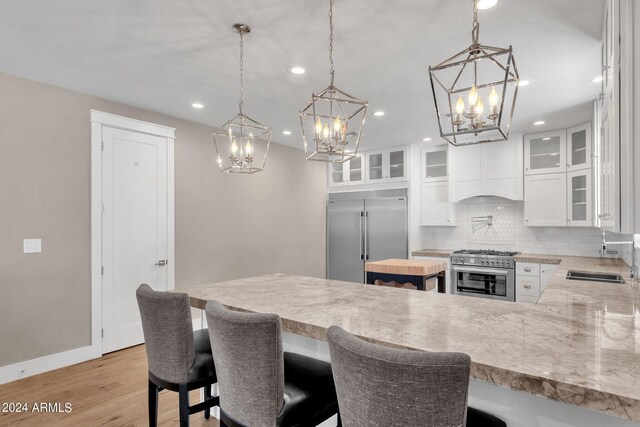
44	364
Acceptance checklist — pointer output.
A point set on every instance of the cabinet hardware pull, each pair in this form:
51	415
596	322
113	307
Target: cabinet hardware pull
528	270
527	286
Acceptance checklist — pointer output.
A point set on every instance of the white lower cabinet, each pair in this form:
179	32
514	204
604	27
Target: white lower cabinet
435	209
546	273
545	200
531	280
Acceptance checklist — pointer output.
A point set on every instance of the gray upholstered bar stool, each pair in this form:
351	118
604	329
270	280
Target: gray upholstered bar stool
380	386
260	385
179	359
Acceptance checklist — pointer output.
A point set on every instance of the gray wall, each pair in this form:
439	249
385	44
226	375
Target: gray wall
227	226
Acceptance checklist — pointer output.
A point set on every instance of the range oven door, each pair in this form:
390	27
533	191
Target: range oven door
484	282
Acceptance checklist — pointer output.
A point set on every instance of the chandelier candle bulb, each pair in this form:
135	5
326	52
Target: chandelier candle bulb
494	99
479	108
336	125
460	106
473	95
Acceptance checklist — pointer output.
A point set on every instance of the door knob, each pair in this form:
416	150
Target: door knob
162	262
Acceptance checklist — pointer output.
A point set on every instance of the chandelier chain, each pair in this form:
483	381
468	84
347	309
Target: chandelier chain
331	37
241	70
476	24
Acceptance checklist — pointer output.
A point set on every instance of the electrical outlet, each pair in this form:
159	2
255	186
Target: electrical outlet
32	246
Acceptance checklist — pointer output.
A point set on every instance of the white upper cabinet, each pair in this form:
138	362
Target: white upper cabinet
545	153
435	209
434	164
545	202
608	168
492	169
370	167
580	198
337	176
355	170
579	147
351	172
386	165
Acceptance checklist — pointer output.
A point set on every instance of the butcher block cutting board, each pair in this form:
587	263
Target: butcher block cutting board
407	267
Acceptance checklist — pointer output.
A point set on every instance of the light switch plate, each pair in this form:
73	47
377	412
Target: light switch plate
32	246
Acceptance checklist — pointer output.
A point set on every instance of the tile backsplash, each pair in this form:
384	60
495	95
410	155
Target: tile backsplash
508	231
490	223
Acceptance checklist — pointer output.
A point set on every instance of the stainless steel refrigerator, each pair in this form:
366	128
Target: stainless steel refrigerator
364	226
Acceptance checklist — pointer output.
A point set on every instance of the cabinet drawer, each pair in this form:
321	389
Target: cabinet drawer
527	285
527	299
527	269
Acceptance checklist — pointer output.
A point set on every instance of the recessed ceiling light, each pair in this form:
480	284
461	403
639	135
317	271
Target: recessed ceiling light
486	4
427	139
379	113
539	123
597	79
286	132
297	70
197	105
523	83
546	139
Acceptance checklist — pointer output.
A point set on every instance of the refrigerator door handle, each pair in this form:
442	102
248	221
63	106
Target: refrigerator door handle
366	235
361	237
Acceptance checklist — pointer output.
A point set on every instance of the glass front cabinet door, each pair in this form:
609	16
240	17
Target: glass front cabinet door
387	165
336	175
579	147
545	153
435	164
355	170
351	172
397	164
580	198
375	171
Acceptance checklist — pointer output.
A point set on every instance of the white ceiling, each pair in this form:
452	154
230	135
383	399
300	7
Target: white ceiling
164	55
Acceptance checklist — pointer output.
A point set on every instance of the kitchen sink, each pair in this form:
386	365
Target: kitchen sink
595	277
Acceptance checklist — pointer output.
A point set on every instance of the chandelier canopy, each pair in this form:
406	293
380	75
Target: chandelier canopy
242	143
333	120
463	85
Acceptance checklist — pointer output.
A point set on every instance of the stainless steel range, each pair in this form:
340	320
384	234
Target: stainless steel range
484	274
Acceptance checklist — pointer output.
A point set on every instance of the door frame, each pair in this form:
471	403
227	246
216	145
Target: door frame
99	120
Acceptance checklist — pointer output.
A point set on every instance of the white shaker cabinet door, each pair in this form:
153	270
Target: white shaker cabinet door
545	200
435	208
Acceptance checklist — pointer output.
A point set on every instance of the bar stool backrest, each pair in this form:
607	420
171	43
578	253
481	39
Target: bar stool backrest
247	350
380	386
168	333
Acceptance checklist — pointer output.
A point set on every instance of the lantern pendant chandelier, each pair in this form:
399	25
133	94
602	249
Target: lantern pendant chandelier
475	73
333	120
242	144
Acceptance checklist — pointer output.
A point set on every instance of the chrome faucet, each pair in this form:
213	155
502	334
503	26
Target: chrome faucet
604	251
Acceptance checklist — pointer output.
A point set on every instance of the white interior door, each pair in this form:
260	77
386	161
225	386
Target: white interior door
134	229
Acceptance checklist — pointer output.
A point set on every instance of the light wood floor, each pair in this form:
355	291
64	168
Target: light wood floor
111	390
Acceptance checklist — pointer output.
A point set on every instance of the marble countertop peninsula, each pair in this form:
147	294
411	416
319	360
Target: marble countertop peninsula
580	344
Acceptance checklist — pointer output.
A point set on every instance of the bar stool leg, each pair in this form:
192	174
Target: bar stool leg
183	394
153	404
207	395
